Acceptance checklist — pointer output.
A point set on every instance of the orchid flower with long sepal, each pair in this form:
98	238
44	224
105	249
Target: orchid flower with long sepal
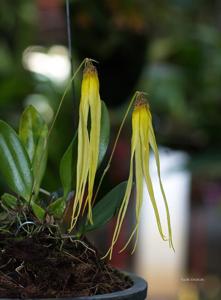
88	142
142	139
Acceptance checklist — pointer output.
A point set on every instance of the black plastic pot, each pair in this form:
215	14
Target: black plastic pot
137	292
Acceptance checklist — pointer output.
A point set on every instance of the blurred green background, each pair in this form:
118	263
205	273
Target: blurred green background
169	49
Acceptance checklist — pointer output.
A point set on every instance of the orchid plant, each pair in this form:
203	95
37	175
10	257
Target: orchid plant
78	210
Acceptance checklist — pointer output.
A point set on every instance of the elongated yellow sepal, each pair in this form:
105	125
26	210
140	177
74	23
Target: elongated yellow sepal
95	110
142	138
88	142
157	159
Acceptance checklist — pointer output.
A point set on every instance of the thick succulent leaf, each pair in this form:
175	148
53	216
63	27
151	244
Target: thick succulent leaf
33	132
38	211
30	128
68	167
57	208
105	132
9	200
15	165
40	161
106	208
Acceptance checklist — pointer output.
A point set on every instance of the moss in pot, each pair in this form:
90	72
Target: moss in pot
44	251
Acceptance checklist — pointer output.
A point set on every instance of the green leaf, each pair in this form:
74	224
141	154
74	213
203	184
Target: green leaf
38	211
33	132
57	208
105	132
106	208
68	167
9	200
15	164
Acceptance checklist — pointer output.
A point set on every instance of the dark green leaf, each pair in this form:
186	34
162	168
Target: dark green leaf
15	164
38	211
33	132
105	132
68	167
57	207
105	209
9	200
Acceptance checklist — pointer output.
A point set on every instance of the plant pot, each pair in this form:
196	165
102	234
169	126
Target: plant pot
137	292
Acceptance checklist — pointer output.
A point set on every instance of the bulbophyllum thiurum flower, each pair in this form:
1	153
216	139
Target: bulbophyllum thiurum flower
143	138
88	142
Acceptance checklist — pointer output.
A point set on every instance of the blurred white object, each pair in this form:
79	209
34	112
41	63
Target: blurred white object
155	261
54	63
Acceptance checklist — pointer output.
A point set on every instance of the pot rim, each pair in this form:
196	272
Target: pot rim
135	292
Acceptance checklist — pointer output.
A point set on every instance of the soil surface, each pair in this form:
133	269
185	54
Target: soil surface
44	266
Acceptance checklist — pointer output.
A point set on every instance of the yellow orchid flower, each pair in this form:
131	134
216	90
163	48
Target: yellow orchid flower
88	143
142	139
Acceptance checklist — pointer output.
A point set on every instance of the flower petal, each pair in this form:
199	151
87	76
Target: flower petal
125	201
139	193
144	129
83	146
95	112
153	144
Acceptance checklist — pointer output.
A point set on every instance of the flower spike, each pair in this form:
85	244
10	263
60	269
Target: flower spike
88	142
142	138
